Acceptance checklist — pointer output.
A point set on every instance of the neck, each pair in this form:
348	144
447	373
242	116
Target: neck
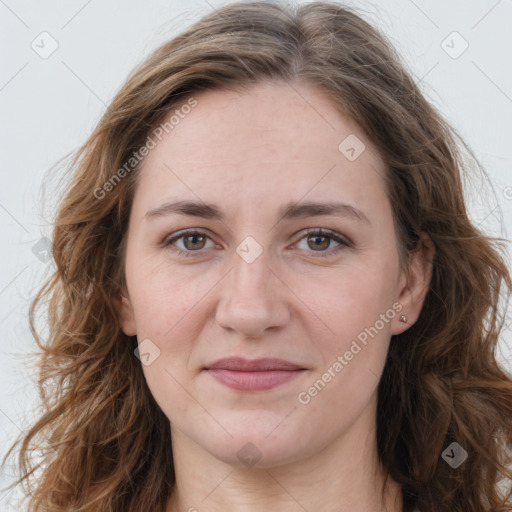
345	476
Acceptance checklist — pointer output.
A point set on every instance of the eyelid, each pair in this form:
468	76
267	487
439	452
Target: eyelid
343	241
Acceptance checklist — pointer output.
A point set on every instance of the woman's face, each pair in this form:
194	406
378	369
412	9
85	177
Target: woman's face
254	172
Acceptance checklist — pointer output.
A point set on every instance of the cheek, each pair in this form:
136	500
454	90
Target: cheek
163	296
347	300
169	312
357	308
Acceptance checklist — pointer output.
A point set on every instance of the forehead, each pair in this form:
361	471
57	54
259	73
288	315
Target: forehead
272	141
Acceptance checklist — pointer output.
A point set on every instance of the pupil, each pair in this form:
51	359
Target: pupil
318	239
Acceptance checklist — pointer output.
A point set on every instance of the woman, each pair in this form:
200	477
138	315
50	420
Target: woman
268	294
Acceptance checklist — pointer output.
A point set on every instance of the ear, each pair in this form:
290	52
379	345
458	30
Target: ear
414	285
125	314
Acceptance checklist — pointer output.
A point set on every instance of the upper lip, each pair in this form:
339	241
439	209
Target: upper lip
255	365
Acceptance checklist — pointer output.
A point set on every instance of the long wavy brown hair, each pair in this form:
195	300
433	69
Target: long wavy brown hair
442	383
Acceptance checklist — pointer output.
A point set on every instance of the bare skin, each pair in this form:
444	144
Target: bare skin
305	298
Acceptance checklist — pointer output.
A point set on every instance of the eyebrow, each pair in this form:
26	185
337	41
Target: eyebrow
286	212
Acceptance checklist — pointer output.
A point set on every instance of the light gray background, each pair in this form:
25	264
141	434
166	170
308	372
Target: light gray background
50	105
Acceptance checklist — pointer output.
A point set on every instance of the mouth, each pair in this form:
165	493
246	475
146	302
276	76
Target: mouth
256	375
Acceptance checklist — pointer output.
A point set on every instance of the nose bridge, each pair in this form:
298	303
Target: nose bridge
253	299
251	264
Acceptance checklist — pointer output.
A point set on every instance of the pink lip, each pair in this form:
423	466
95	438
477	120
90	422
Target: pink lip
255	375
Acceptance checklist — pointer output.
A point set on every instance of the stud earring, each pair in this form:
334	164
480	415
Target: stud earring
403	319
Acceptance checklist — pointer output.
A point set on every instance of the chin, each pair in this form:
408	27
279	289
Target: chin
255	443
253	452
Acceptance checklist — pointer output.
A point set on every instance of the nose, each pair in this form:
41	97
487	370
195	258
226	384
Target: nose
254	299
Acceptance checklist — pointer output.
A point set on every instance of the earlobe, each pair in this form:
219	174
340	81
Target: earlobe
125	315
414	285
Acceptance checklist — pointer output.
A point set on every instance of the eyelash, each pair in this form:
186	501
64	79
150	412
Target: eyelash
342	240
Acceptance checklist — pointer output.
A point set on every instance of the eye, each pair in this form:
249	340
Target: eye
320	240
193	242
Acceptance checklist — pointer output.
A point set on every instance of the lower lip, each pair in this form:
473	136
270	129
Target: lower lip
253	381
